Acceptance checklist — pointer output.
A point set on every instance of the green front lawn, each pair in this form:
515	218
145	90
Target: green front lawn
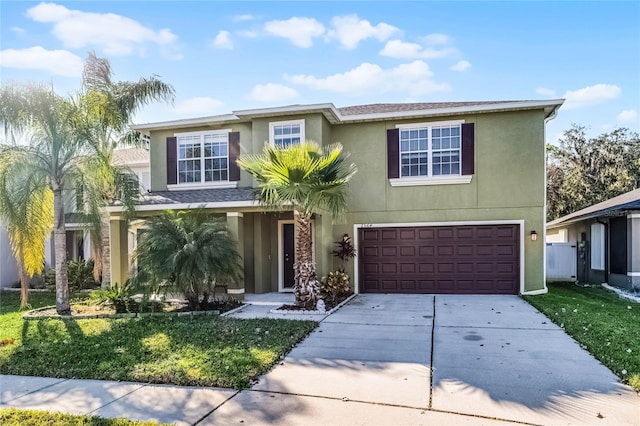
16	417
202	351
603	323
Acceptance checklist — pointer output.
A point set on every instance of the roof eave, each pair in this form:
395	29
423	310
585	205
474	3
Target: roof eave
550	107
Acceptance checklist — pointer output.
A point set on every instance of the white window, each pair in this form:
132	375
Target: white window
203	157
597	246
285	133
428	150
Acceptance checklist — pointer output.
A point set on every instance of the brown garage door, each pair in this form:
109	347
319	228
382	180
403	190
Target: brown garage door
479	259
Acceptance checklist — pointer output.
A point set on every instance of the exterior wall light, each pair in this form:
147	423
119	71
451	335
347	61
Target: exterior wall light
534	235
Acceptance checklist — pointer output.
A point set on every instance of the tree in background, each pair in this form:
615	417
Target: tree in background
310	179
584	171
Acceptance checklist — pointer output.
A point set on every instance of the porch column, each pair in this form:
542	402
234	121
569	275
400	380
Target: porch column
119	252
235	224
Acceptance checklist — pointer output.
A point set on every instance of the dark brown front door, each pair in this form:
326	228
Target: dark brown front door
288	255
474	259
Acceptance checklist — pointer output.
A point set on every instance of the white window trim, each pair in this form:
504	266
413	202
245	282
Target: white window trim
430	180
273	124
433	180
599	248
221	184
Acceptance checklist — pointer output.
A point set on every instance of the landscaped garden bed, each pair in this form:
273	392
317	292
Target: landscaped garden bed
603	323
200	350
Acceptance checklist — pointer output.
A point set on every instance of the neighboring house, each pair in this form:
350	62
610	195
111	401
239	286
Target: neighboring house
8	265
446	197
607	236
76	223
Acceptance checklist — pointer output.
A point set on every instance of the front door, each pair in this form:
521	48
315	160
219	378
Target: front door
287	256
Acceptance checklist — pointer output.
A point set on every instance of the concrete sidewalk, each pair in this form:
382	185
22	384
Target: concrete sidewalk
384	359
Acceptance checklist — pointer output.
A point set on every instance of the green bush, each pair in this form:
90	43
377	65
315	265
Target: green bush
79	273
117	295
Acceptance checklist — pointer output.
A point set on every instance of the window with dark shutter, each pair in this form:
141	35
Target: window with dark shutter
172	161
234	153
393	153
468	149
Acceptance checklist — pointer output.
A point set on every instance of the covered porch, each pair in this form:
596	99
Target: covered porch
265	238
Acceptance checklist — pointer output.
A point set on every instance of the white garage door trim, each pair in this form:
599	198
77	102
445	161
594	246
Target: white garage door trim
358	226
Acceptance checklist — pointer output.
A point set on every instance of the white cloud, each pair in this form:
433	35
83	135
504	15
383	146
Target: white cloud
437	38
243	18
404	50
545	92
461	66
414	79
223	40
272	92
299	31
18	30
629	116
350	30
590	95
199	105
114	34
247	33
57	62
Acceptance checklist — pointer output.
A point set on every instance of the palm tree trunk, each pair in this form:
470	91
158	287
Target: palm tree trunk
60	246
105	249
306	286
24	281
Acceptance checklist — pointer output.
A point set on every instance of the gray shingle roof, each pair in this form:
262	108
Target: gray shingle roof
627	201
197	196
130	156
420	106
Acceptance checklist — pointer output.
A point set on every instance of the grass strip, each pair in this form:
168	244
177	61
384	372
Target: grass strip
202	350
603	323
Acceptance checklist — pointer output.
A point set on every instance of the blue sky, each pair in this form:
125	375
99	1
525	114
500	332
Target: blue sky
224	56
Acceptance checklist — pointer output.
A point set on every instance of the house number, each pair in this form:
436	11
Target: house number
367	225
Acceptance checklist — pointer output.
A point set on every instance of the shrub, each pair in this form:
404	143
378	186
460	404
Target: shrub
117	295
79	272
335	286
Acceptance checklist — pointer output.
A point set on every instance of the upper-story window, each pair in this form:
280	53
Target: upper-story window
427	150
203	156
285	133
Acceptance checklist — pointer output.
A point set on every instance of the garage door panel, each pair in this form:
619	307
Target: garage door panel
480	259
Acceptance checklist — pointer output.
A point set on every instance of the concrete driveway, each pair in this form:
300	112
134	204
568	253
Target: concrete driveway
406	359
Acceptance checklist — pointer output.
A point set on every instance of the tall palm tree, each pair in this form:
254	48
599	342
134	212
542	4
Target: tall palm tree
188	250
27	208
310	179
111	106
54	153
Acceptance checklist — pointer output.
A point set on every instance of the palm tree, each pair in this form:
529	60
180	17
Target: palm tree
111	105
56	157
188	250
27	208
310	179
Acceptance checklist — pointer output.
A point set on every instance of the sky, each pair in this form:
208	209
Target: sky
226	56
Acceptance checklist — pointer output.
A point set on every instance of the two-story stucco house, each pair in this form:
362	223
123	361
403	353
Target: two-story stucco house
448	198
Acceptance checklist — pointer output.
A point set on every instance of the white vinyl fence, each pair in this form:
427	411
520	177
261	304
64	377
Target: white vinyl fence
561	261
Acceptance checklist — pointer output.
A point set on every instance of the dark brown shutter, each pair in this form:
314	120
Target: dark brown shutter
468	149
393	153
234	153
172	161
